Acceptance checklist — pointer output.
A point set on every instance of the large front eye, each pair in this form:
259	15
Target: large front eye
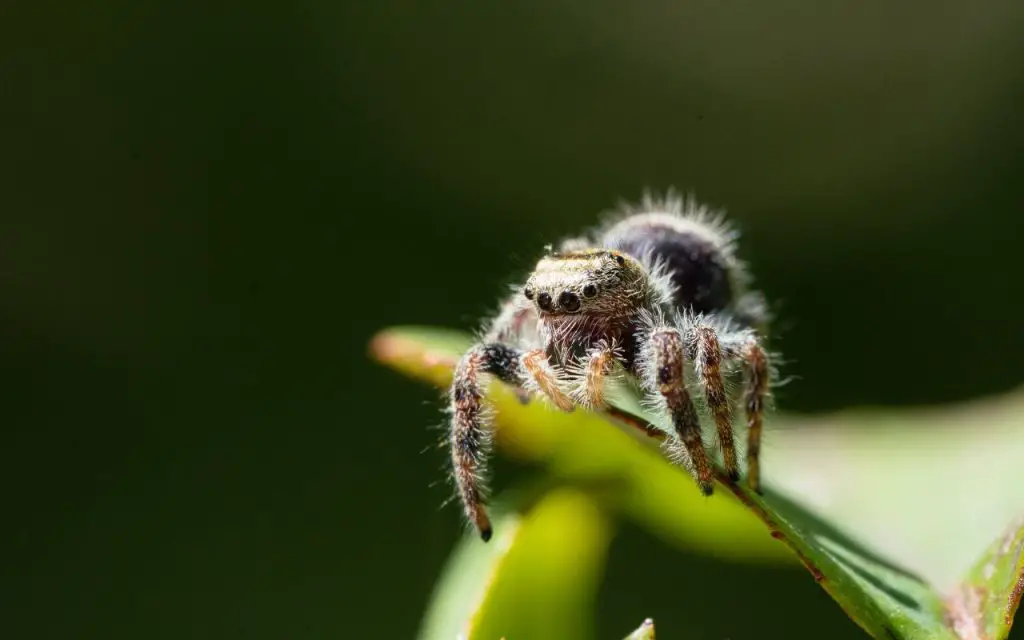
590	291
569	301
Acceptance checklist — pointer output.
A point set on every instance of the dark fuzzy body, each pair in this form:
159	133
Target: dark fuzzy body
698	270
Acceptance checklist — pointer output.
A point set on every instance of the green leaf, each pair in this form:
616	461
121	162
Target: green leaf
615	454
537	578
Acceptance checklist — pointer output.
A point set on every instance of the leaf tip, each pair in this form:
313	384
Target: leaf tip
419	353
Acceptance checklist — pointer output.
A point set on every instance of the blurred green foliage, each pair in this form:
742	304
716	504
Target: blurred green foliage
542	575
209	207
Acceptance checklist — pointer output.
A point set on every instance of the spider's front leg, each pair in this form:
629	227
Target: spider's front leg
665	354
470	428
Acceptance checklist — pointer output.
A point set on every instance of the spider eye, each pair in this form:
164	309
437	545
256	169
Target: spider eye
569	301
544	301
620	260
528	293
590	291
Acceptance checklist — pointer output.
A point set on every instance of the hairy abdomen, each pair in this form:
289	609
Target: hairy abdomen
697	264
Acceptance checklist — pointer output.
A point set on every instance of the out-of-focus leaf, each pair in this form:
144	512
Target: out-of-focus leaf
930	486
538	577
467	578
888	602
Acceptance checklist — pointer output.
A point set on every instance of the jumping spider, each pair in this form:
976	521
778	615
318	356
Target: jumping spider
656	292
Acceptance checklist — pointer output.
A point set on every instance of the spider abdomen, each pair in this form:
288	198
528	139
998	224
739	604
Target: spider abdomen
697	263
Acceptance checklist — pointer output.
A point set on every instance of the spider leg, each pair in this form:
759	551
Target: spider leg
470	428
666	355
542	377
757	373
745	348
592	375
708	366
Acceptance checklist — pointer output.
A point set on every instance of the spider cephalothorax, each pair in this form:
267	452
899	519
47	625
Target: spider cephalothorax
656	293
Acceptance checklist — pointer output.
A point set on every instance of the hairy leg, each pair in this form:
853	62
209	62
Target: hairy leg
470	424
591	377
666	355
757	372
543	378
708	367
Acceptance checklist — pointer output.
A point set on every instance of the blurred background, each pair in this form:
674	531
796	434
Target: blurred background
208	208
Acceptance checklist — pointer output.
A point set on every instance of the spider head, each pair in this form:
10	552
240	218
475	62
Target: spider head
593	281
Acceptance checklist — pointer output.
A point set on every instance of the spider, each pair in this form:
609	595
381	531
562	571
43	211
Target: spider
655	293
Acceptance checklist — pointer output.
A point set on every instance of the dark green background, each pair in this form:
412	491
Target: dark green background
206	210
